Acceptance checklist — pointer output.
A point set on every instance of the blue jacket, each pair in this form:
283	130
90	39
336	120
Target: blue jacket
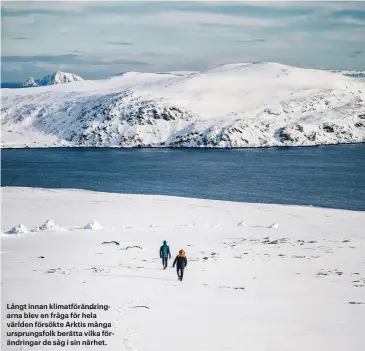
165	251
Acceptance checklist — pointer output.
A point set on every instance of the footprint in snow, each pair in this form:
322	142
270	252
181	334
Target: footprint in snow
356	303
60	271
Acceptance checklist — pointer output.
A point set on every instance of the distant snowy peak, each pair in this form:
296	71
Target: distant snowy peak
59	78
53	78
30	82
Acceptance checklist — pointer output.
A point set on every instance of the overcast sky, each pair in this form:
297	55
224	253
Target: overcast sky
100	39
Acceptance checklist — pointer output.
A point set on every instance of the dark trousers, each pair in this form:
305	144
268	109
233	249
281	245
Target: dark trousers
164	262
180	272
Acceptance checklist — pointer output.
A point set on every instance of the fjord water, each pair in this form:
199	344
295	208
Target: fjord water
328	176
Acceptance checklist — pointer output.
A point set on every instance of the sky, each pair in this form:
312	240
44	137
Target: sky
100	39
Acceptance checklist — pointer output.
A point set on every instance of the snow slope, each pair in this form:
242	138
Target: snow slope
298	285
235	105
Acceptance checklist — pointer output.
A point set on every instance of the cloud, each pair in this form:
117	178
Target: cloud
122	43
355	35
352	20
355	53
40	58
204	18
12	67
117	62
351	16
95	37
71	59
316	5
351	12
22	38
259	40
16	13
253	8
24	8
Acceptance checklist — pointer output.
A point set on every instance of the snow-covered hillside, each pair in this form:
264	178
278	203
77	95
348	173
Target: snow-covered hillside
53	78
259	277
236	105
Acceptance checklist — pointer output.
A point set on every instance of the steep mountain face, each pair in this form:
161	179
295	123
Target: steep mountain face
238	105
59	78
54	78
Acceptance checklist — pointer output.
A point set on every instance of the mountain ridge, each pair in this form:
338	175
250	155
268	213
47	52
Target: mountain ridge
236	105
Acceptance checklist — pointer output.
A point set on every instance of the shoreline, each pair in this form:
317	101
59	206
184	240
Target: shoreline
177	147
163	197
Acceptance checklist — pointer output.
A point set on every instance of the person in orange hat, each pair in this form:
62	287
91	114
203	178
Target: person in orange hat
181	262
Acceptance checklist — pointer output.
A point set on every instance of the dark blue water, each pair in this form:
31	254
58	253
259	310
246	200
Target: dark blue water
329	176
11	85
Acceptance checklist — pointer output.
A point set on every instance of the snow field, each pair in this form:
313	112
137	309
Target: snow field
298	286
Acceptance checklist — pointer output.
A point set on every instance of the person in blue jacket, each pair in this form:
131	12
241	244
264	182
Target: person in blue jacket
165	254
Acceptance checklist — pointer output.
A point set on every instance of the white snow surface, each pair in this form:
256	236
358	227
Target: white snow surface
299	287
235	105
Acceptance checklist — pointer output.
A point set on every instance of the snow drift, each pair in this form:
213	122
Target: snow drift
93	225
236	105
19	229
49	225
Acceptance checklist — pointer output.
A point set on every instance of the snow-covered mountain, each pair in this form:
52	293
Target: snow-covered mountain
31	82
53	78
59	78
235	105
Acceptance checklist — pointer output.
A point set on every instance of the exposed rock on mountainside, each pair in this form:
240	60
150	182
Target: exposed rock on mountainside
236	105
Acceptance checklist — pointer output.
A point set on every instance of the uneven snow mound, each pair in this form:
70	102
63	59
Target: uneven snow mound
19	229
242	224
49	225
93	225
236	105
274	225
